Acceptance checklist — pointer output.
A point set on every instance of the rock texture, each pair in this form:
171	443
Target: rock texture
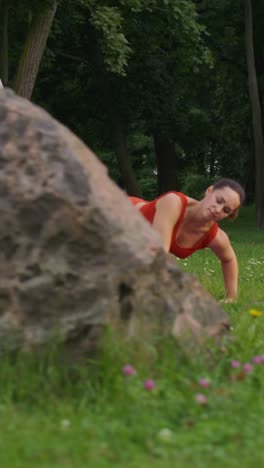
74	253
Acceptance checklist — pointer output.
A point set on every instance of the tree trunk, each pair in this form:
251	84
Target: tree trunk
256	115
249	177
126	170
115	120
119	139
166	164
4	41
30	59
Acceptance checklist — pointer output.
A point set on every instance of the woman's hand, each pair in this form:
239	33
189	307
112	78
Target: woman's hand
228	300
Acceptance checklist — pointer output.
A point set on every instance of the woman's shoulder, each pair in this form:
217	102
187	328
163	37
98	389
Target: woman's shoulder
220	240
221	236
172	198
170	205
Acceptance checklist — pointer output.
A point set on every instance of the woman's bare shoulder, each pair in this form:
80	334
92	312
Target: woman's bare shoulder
168	207
221	243
169	199
221	238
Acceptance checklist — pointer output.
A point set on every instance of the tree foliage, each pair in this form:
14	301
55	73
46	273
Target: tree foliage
134	77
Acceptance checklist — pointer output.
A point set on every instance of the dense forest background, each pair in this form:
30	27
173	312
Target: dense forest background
168	93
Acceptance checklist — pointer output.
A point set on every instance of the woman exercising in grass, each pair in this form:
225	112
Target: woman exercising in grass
187	225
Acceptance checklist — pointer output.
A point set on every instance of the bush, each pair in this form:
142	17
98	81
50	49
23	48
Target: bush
194	185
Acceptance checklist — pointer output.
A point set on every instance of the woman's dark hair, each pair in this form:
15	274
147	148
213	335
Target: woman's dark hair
221	183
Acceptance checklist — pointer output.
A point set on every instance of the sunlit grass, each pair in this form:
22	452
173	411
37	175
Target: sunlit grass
98	416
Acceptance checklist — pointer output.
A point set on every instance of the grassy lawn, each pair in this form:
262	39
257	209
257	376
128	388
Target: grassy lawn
102	418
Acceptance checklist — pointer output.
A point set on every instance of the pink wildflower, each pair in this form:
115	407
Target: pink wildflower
235	364
149	384
258	359
248	368
129	370
204	383
201	399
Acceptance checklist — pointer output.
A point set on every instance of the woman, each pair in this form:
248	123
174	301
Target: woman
187	225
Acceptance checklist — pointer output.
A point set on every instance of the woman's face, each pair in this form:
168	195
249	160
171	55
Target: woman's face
220	203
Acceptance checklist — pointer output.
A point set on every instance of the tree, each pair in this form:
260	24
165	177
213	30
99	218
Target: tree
155	69
34	47
169	51
4	41
256	114
145	50
224	95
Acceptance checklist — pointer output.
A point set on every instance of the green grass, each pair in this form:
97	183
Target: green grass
96	417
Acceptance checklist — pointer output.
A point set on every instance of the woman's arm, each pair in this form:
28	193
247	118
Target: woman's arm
168	210
222	248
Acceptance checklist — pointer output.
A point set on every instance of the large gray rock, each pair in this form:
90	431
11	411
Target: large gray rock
75	254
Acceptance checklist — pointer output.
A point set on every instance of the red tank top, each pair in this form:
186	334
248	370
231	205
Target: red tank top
148	210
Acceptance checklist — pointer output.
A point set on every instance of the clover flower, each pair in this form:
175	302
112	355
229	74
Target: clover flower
65	424
235	364
258	359
165	435
248	368
129	370
201	399
204	383
149	385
